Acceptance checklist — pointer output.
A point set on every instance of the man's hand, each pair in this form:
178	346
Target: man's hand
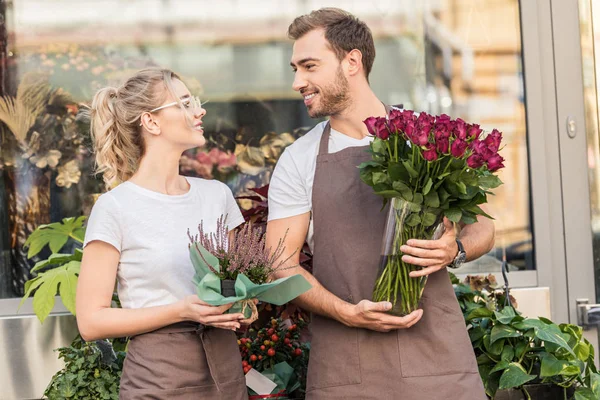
373	316
432	255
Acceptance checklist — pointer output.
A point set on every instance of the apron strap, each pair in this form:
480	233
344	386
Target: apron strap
324	143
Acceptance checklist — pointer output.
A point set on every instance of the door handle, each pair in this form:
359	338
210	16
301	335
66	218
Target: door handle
588	315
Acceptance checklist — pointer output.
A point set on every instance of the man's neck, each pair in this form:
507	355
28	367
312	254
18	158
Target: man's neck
350	121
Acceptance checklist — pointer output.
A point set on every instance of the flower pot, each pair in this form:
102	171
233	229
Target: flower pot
538	391
228	288
405	220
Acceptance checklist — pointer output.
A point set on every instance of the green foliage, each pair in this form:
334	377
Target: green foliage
58	273
55	235
92	371
512	350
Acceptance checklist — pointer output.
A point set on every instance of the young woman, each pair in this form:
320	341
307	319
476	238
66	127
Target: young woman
180	347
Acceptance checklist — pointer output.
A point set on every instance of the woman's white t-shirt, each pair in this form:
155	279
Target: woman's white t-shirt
150	231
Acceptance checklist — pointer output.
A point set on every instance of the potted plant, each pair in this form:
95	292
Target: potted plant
525	358
277	351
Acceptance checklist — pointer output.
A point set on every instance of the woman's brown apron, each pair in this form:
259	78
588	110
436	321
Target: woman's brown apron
431	360
183	361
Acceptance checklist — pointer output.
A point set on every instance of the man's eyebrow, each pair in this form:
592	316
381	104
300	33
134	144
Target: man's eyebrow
304	61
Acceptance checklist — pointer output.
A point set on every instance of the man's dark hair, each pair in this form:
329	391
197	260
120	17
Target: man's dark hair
343	31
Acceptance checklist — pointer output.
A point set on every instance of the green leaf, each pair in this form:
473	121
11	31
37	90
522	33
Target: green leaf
388	194
432	199
418	198
462	188
379	177
56	259
61	279
427	187
403	189
515	376
429	219
398	172
503	331
582	351
414	207
379	146
506	315
477	210
55	235
508	353
551	366
501	366
489	182
413	220
411	170
584	393
545	332
453	215
481	312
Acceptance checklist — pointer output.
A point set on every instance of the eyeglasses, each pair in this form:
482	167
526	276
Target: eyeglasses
189	103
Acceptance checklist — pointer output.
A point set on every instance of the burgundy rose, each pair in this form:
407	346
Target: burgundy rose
473	131
381	129
492	141
409	116
420	137
481	149
397	123
495	162
430	154
370	123
409	129
442	144
475	161
458	148
395	113
460	129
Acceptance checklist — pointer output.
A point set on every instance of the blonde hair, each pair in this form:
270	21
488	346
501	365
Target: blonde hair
115	117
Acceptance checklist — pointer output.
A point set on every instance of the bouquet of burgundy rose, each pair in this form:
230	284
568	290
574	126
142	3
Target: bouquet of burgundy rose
427	167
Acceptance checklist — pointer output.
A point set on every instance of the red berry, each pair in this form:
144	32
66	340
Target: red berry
298	352
260	357
244	363
270	331
286	341
292	327
262	348
253	357
271	352
274	338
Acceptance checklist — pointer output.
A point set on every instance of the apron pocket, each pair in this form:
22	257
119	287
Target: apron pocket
436	345
334	359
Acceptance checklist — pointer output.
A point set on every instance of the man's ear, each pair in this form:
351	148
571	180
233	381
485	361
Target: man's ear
150	124
354	62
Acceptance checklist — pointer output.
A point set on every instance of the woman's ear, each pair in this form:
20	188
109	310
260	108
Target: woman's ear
150	124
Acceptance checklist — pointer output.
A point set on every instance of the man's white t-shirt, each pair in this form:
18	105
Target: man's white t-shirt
150	231
290	190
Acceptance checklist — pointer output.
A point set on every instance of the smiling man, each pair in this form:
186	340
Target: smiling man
358	351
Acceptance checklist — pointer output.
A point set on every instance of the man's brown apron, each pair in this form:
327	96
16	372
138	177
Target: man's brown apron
184	361
431	360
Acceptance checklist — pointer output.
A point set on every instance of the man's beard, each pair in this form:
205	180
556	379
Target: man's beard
334	98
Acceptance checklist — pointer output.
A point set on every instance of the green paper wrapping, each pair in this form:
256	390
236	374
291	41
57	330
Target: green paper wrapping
208	284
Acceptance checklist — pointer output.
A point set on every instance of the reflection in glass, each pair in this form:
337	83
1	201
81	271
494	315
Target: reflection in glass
234	54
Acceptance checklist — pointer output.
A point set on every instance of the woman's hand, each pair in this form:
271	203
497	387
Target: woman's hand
194	309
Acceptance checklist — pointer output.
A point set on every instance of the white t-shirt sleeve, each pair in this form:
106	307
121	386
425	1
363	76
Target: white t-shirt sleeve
288	194
234	215
103	223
